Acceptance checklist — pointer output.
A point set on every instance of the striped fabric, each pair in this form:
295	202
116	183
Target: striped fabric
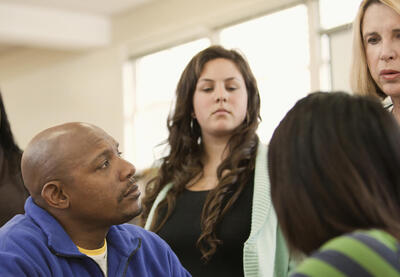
359	254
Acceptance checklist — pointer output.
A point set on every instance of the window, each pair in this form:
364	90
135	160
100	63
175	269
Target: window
334	13
325	68
336	42
149	98
277	50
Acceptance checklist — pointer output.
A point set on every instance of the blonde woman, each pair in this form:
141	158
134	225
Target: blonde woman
376	51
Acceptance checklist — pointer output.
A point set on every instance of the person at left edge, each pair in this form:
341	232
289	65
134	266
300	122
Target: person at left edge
12	190
81	193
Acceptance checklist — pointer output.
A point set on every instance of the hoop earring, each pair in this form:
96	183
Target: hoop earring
247	118
192	125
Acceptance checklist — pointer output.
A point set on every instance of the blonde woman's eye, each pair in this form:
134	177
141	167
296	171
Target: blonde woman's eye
372	40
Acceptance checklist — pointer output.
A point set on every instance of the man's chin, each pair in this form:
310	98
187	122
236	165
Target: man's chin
132	215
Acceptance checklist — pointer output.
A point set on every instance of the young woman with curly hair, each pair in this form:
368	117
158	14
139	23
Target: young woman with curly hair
211	198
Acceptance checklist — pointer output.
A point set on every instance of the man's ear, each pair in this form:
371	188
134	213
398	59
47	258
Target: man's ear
54	195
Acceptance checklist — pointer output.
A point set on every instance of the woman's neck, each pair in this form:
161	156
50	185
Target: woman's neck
396	108
214	153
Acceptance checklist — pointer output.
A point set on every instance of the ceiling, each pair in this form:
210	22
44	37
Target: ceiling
99	7
60	24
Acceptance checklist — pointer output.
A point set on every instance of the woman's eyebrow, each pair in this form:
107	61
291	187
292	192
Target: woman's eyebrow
369	34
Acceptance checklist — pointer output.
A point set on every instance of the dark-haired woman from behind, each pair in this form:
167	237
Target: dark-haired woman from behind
211	198
335	184
12	190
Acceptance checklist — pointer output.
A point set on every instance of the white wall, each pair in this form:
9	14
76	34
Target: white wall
44	88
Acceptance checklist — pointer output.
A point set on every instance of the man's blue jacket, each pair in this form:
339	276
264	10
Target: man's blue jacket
35	244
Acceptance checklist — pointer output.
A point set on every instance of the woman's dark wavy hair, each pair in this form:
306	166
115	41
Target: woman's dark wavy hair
12	153
183	163
334	168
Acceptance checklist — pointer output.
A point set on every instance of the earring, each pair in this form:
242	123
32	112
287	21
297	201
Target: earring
247	118
193	118
191	124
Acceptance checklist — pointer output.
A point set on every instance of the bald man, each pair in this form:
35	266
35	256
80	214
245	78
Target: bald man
81	193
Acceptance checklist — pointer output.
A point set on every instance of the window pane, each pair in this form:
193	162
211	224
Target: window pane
337	12
277	49
325	67
156	78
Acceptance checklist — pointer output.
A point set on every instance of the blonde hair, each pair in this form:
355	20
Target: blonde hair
361	80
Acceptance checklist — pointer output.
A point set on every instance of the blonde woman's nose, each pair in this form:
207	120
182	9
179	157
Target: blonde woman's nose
388	52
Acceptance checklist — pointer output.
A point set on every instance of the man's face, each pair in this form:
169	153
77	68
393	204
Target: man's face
101	189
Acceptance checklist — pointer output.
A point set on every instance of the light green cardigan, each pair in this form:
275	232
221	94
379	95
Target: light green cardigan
264	253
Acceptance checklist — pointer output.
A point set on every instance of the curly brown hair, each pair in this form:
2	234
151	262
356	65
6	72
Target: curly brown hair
183	162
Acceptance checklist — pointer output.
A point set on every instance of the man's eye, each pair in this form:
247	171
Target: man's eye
119	153
105	164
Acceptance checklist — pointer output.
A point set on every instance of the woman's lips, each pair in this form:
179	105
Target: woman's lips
389	74
221	111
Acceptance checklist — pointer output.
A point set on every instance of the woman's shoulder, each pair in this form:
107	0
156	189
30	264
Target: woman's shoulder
160	197
361	253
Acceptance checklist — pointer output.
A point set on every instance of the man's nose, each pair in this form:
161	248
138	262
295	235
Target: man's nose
127	171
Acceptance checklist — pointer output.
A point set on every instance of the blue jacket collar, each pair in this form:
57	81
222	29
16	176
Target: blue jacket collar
60	242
